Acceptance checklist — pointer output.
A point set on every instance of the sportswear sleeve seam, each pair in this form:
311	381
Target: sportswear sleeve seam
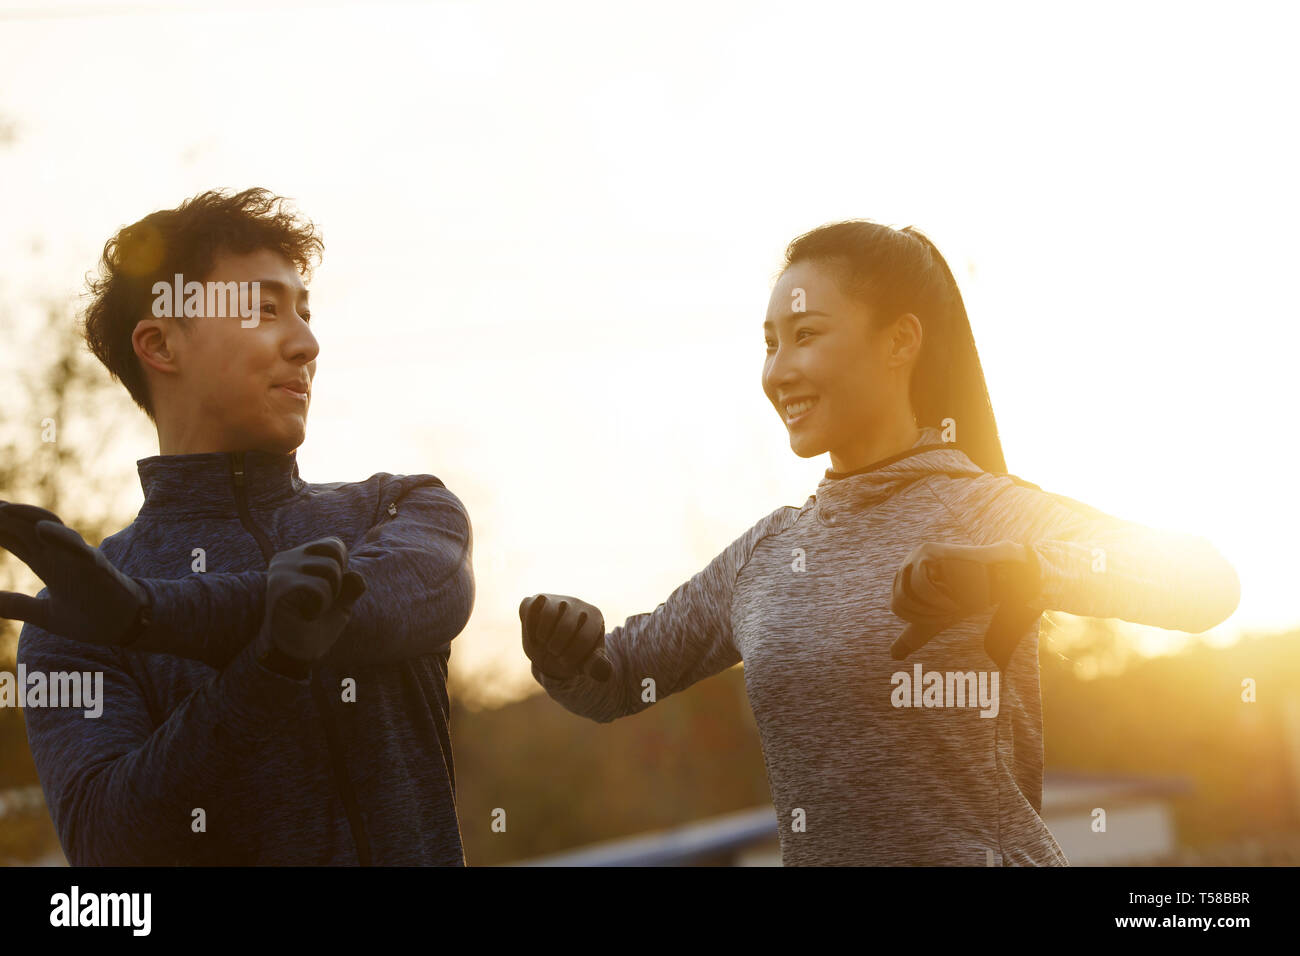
731	591
960	522
773	533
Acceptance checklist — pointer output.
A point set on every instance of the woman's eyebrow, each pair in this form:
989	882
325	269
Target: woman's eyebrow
790	316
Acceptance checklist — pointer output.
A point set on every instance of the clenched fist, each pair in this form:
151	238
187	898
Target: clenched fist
309	598
939	584
564	636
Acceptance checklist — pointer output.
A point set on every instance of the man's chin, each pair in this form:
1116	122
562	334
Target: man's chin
281	443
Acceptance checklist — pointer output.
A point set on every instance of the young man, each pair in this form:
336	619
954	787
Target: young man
274	652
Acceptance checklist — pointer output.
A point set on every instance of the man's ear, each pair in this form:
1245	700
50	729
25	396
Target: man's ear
154	341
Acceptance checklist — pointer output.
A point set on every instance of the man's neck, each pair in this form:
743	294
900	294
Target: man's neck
173	447
178	437
174	443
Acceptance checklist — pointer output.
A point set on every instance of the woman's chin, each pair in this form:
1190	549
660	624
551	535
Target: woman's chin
806	446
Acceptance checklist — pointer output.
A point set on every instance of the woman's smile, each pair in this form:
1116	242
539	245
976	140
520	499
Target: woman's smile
799	409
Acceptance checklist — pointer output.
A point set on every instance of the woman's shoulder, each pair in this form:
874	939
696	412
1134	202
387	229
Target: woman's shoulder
991	506
985	486
774	523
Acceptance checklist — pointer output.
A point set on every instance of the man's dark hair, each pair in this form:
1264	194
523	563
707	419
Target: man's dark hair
183	240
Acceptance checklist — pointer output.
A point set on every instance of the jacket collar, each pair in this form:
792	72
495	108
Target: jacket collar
204	483
867	487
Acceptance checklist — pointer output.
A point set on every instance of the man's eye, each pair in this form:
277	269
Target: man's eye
268	306
800	333
306	317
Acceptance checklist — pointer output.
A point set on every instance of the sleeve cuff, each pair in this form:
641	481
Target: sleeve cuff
558	684
1018	582
250	695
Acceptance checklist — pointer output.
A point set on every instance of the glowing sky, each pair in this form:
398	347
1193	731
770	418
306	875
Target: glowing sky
551	231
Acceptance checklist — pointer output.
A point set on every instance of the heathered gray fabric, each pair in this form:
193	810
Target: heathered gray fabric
879	784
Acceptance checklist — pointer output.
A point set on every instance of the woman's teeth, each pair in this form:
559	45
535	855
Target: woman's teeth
798	409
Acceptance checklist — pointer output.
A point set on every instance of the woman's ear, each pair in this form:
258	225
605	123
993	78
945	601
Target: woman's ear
904	339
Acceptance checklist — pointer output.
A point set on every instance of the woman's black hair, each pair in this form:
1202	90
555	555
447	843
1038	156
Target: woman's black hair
896	271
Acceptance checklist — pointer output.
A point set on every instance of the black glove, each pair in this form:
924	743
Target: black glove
88	600
309	598
940	584
564	636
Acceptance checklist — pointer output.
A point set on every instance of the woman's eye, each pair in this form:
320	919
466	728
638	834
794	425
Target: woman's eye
306	317
800	333
268	307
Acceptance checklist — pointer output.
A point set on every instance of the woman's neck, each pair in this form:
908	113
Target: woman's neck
882	443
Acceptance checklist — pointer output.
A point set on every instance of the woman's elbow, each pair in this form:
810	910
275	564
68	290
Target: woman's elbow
1221	597
1231	593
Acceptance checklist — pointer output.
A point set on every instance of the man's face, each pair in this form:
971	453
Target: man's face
249	388
826	370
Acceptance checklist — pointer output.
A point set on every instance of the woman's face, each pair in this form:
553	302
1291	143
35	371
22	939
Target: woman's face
834	381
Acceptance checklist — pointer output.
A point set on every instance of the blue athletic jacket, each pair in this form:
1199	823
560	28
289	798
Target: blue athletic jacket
201	755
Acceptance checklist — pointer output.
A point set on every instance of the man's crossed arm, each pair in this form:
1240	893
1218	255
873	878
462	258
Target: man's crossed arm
416	566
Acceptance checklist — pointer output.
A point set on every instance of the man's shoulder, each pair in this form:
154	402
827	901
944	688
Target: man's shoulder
119	542
385	491
381	484
377	483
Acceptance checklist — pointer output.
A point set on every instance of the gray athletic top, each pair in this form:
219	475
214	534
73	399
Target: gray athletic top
864	768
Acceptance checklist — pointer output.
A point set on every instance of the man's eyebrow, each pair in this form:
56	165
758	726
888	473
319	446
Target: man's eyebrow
275	285
794	315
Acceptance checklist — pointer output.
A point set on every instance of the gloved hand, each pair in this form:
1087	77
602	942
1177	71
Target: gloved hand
309	598
88	600
564	636
940	584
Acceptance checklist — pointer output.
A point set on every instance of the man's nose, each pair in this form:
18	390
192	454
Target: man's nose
303	346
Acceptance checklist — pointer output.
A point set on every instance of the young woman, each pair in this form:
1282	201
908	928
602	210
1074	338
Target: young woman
916	545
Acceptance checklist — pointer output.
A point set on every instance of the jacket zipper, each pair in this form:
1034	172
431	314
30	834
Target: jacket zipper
344	782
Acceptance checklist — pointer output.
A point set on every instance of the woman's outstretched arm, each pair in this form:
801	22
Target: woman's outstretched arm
653	655
1094	564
